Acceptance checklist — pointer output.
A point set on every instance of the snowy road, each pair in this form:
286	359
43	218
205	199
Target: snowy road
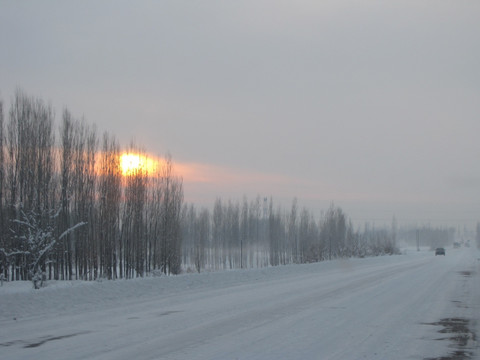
379	308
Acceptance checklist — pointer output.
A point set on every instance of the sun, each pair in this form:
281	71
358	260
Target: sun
134	164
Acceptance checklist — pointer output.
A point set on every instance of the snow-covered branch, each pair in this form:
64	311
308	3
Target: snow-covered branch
13	253
26	223
68	231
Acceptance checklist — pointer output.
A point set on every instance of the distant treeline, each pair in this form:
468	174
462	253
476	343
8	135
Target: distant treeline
68	212
257	234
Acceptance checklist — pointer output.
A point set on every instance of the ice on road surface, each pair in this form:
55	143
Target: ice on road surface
411	306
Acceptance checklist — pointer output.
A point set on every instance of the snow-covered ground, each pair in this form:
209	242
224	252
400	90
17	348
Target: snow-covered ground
411	306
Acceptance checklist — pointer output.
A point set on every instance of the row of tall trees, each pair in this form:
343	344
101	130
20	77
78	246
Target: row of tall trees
67	208
255	233
428	236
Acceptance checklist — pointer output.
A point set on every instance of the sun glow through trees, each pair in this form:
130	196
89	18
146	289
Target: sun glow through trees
132	164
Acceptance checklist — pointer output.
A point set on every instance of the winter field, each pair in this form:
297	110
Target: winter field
411	306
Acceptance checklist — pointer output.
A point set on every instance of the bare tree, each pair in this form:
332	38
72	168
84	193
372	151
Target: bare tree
218	235
29	167
202	234
66	165
277	236
171	236
188	219
292	232
244	233
333	231
109	207
133	235
256	245
3	234
153	219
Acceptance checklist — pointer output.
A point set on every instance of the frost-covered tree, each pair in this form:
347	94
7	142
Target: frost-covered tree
333	231
36	241
29	163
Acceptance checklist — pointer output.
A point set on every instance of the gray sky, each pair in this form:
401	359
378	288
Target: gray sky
373	105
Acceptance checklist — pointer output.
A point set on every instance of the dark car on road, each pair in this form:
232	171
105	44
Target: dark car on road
439	251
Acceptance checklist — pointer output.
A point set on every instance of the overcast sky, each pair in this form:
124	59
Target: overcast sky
374	105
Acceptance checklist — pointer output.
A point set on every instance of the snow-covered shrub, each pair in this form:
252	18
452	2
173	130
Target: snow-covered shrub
36	239
39	279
